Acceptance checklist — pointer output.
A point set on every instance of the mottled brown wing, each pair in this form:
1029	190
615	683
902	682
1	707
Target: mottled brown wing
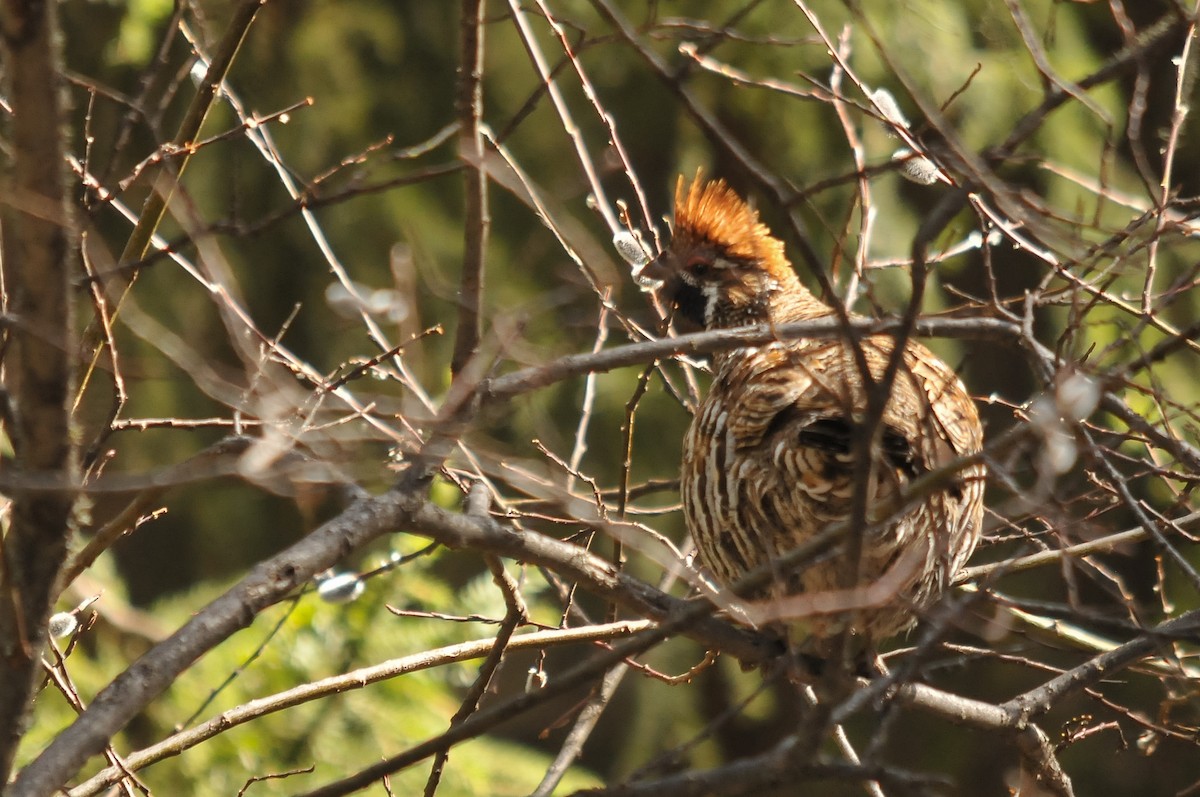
951	430
767	462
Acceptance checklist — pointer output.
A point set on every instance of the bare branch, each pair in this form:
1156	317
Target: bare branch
39	253
476	219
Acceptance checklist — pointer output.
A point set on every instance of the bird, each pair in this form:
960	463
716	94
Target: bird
768	461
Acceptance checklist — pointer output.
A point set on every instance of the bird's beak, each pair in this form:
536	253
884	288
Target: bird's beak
656	273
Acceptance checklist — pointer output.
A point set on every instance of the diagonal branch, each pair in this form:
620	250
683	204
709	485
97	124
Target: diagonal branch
339	684
276	578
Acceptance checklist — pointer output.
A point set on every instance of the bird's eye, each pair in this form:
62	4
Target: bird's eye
700	267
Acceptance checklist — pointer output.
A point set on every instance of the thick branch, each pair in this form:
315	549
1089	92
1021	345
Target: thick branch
142	682
276	578
339	684
476	221
37	257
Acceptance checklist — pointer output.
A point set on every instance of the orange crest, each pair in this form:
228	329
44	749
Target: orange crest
711	211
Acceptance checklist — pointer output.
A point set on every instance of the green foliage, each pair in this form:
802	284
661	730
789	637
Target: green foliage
138	36
302	641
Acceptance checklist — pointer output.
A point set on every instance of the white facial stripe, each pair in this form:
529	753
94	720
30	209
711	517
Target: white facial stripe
712	292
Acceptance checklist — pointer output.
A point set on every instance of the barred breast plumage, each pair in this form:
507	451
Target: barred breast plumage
768	460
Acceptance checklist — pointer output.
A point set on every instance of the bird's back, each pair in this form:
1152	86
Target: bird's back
768	463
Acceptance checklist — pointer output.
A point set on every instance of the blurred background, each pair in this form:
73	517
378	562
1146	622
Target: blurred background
358	98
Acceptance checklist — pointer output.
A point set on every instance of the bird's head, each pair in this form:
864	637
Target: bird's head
723	267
